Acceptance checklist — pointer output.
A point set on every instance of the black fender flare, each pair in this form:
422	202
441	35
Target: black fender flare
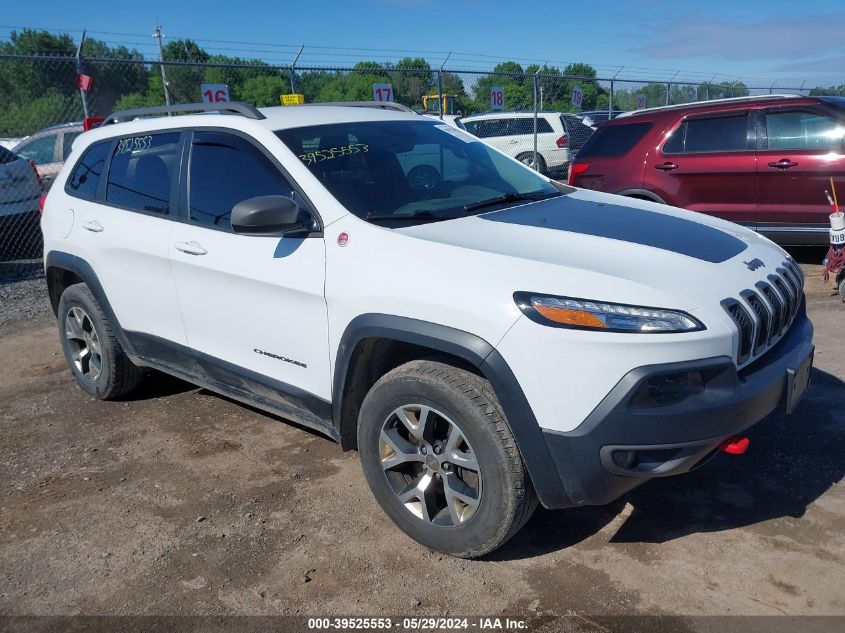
474	350
642	193
83	270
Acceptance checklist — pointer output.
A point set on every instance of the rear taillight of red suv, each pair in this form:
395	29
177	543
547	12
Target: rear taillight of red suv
562	142
575	170
41	202
37	175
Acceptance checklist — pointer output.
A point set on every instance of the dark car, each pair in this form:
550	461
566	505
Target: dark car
764	162
20	192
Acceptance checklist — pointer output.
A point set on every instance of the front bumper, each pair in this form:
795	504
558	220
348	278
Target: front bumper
619	447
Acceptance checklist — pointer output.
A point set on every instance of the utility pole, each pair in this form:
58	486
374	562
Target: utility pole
157	34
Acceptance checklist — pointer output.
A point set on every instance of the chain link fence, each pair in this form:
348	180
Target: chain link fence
538	116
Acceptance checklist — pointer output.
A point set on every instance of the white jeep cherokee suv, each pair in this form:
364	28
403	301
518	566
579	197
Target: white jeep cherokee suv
486	340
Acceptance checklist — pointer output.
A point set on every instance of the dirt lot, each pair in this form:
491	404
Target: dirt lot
182	502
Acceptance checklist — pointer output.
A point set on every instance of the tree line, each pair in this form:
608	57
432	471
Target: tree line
37	93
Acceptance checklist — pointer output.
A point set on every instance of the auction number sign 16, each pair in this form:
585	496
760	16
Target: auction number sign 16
214	93
497	98
382	92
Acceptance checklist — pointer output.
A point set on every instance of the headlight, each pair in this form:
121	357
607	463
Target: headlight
584	314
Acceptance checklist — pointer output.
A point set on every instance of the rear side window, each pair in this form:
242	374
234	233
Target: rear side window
226	169
85	179
803	130
142	170
715	134
614	140
526	126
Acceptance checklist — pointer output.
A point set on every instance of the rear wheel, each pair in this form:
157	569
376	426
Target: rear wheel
441	460
93	353
527	159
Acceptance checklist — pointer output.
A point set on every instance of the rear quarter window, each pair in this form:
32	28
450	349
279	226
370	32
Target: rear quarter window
84	181
614	140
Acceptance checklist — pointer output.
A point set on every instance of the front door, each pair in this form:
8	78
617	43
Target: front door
254	307
800	150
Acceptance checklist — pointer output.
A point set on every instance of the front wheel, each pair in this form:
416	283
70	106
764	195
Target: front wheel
441	461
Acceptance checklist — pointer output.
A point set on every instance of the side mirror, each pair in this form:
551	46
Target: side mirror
270	216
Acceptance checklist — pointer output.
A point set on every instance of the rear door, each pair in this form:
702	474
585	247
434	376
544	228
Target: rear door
708	163
800	150
122	226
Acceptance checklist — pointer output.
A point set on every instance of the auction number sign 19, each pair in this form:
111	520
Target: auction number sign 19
497	98
577	97
214	93
382	92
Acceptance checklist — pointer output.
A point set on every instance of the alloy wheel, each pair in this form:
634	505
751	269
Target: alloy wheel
430	465
84	343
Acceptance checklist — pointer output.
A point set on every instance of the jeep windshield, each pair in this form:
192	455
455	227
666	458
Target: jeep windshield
398	173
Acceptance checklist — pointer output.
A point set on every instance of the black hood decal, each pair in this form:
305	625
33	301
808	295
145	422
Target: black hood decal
627	224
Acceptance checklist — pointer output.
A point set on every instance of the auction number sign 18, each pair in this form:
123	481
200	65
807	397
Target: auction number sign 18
382	92
497	98
214	93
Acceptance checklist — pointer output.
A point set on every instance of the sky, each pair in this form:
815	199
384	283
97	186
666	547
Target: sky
784	42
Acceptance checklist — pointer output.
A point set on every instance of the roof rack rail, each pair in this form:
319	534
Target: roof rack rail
380	105
706	103
229	107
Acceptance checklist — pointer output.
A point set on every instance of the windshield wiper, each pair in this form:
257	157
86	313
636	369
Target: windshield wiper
509	197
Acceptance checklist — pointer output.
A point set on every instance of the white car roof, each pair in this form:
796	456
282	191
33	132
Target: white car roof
276	118
513	115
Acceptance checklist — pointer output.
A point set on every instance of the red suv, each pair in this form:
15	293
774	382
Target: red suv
764	162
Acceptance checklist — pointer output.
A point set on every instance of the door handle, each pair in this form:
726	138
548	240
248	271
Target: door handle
191	248
784	163
93	226
667	166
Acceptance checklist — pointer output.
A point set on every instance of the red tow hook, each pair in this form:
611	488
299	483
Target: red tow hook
735	445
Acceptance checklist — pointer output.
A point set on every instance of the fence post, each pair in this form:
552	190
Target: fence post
440	86
610	102
535	118
293	70
79	71
157	34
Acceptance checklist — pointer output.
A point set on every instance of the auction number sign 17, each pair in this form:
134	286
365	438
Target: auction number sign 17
497	98
214	93
382	92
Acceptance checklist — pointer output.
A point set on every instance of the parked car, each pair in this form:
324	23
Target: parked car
600	116
20	191
578	130
763	162
452	119
477	342
513	134
49	148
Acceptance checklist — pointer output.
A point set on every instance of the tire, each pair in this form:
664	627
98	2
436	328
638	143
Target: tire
92	352
527	159
427	419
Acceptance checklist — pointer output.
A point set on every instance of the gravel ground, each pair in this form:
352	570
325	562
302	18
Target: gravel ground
22	300
178	501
